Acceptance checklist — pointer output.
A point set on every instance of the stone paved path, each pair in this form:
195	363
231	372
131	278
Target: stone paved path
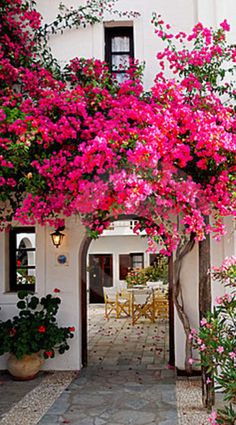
106	397
127	381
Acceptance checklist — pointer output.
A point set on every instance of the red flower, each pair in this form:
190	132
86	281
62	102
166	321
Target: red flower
12	332
41	329
72	329
18	263
56	290
48	353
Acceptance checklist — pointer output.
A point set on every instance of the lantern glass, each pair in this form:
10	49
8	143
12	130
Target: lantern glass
57	238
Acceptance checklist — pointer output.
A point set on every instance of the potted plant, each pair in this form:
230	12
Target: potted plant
136	277
33	335
148	274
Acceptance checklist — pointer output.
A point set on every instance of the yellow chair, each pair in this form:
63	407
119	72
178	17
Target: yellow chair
116	302
161	305
124	302
110	299
142	305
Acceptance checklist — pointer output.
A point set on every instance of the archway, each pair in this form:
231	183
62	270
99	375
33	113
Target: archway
84	299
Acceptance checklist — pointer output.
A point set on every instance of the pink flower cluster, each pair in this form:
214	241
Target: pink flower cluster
84	145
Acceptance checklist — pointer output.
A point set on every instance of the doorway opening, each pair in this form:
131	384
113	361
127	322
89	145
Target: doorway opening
105	263
100	275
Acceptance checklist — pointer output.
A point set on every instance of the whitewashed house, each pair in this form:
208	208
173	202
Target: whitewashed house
65	267
111	256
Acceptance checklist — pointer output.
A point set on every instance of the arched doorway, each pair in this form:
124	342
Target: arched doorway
84	301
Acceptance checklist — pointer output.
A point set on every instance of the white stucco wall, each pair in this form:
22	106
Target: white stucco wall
50	275
180	14
219	251
189	277
89	42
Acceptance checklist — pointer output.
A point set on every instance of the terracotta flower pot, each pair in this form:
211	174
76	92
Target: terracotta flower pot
25	368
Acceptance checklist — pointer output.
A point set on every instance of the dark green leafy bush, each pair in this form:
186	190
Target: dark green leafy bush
35	328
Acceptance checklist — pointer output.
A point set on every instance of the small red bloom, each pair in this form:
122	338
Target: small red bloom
208	326
72	329
49	353
56	290
12	332
41	329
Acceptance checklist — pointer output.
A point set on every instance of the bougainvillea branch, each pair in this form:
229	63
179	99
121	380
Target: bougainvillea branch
202	59
93	11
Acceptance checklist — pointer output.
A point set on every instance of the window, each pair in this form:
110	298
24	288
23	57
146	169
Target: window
158	260
136	261
132	224
153	259
119	48
130	261
22	258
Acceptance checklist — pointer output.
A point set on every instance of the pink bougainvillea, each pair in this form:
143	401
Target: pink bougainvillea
82	144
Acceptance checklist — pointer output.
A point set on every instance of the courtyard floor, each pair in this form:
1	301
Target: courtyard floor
127	382
115	343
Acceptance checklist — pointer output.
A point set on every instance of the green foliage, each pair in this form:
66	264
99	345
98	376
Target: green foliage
216	341
136	277
35	328
226	416
159	271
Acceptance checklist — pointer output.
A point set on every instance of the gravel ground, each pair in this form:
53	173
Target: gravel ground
30	409
189	403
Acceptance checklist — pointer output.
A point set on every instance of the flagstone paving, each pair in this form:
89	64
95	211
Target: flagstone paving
117	344
127	382
106	397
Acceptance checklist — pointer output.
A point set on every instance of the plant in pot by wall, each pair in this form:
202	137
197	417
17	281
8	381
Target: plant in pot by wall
33	335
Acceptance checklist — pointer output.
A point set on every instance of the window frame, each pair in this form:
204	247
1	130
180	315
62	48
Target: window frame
119	31
13	286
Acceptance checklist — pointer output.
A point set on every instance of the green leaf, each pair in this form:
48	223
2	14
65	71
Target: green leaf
21	305
22	294
33	303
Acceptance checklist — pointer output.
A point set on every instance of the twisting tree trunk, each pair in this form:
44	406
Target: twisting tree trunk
204	307
181	252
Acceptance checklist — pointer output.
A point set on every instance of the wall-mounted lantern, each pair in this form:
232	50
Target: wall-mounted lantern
57	236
